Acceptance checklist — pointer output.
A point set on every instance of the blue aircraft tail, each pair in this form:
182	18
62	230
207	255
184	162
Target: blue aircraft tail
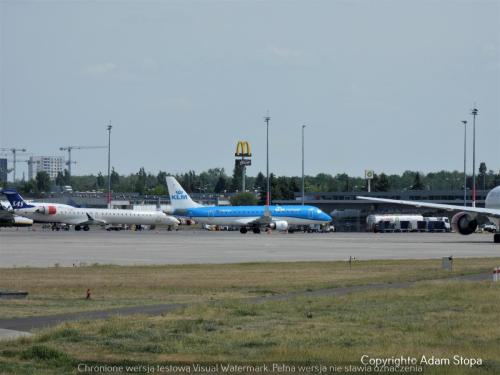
16	201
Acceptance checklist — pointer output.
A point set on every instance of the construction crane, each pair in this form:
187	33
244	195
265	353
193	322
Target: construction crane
14	152
69	148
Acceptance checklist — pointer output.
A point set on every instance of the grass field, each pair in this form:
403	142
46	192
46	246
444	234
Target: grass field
432	318
59	289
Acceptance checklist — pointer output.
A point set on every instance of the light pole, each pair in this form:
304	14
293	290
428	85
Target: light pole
109	164
303	127
474	114
268	191
465	162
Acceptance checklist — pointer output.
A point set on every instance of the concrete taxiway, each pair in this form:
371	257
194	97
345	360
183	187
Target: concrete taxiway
19	248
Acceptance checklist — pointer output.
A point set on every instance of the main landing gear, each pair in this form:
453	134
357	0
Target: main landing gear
496	238
85	228
244	230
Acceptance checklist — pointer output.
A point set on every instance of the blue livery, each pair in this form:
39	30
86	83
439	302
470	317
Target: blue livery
16	201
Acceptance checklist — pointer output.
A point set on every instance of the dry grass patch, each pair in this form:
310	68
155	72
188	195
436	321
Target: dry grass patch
59	289
440	318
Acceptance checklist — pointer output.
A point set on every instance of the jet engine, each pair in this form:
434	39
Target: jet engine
21	221
464	223
46	210
279	225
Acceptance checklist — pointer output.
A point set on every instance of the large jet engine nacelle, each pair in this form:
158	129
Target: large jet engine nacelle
464	223
46	210
21	221
279	225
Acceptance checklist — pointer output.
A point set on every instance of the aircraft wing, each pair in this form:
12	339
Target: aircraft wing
448	207
90	221
265	219
5	213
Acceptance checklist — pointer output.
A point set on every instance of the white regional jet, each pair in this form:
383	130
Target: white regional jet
81	218
464	222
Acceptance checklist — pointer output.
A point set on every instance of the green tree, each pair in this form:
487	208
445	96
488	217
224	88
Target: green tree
417	183
342	182
211	177
67	177
382	183
161	178
260	184
189	181
42	181
221	185
244	199
100	181
159	190
140	183
115	178
28	187
496	181
482	173
60	179
237	178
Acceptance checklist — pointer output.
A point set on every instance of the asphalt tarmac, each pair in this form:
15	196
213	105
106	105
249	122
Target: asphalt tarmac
39	248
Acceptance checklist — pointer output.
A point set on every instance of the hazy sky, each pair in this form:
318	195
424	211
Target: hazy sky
380	84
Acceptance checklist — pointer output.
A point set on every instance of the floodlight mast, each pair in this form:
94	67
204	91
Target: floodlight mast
268	191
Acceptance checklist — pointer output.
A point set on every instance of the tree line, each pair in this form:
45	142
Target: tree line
216	180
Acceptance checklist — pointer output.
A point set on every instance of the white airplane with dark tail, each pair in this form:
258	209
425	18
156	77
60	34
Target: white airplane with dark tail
465	221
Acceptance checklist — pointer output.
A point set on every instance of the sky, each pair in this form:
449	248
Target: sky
380	85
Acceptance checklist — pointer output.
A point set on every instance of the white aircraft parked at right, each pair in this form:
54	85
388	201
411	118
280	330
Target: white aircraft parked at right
465	221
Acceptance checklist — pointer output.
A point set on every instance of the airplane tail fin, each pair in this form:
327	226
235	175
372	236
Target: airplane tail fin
179	199
15	200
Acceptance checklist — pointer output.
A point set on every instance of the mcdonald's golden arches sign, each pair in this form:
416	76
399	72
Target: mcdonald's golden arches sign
243	149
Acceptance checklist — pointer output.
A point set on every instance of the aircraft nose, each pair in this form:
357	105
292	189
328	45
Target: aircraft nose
326	217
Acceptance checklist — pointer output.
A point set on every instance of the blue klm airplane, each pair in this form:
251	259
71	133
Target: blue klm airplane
246	217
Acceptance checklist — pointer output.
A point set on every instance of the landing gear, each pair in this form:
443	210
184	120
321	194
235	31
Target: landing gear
86	228
77	227
256	230
243	230
496	238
